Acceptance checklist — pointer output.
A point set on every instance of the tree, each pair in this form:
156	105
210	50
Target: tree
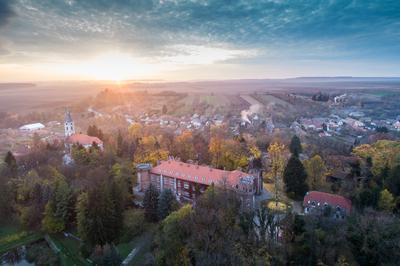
11	163
120	144
172	236
99	214
275	152
166	203
150	203
316	169
183	147
295	146
295	178
59	208
82	215
94	131
51	223
386	201
164	109
374	238
392	183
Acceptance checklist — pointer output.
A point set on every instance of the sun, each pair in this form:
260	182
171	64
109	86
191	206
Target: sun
112	66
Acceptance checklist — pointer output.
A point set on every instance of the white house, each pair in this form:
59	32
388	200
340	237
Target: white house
396	125
32	127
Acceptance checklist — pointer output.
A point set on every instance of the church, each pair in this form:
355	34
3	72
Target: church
72	138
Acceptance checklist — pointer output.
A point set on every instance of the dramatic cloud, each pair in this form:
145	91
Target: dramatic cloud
6	12
250	33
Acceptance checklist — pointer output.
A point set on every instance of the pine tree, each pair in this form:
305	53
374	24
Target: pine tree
11	163
295	177
120	144
295	146
150	203
166	204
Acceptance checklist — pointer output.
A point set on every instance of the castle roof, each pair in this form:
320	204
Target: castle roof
198	173
83	139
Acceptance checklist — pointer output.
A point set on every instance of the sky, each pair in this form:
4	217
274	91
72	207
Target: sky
48	40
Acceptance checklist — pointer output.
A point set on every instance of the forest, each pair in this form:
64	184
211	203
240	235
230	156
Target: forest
93	200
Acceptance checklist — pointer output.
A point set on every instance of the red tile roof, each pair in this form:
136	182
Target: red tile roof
83	139
197	173
331	199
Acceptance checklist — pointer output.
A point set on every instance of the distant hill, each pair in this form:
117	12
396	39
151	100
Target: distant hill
16	85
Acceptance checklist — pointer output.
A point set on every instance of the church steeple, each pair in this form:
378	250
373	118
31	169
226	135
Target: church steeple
69	127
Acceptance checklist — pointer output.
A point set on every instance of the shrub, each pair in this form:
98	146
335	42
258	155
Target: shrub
134	223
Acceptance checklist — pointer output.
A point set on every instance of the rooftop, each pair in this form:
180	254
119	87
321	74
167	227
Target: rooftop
331	199
83	139
198	173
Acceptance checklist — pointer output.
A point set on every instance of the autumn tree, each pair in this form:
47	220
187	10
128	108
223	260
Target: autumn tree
295	178
295	146
275	153
386	201
183	147
172	238
316	170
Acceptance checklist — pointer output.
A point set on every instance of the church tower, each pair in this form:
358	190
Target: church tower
69	127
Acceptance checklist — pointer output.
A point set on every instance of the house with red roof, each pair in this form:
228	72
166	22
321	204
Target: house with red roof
188	181
85	140
327	204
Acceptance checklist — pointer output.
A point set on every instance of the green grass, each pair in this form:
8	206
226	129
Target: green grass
69	250
143	242
11	236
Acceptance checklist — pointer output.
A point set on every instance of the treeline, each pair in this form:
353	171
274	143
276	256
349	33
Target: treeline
215	232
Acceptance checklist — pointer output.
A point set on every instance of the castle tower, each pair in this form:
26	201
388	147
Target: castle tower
69	127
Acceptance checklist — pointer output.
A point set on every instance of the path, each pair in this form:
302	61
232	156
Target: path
251	100
131	255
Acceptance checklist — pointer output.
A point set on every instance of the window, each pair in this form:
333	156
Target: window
186	185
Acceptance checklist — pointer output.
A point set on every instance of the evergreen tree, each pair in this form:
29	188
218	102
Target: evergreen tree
120	144
150	203
99	215
82	215
166	204
58	210
164	109
295	146
295	178
11	163
392	183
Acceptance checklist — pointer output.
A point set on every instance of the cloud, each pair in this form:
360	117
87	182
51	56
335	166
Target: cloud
6	12
247	32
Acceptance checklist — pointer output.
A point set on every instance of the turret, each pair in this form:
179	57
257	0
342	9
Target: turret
69	127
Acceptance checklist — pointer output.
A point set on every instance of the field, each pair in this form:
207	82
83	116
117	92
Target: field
207	104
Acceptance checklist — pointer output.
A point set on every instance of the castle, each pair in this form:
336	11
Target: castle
187	181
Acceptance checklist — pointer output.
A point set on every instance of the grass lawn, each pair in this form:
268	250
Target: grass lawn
69	250
142	242
281	206
11	236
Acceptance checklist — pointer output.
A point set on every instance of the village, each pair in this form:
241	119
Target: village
245	148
